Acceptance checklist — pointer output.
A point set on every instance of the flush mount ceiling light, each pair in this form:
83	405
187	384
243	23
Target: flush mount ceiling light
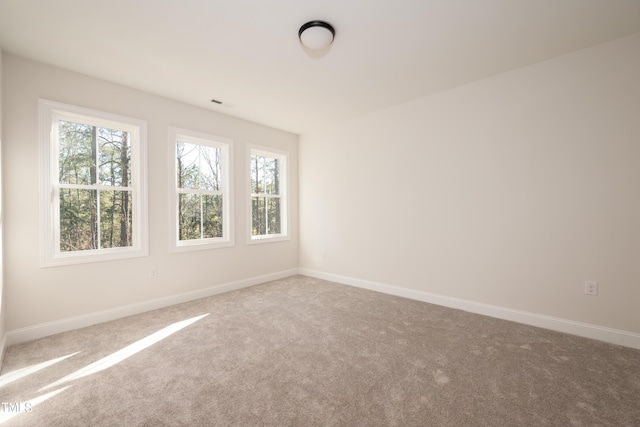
316	35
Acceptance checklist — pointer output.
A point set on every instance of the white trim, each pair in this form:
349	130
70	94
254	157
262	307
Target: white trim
600	333
228	213
284	194
50	255
50	328
586	330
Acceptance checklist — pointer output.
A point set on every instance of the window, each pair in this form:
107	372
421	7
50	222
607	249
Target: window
201	190
93	186
268	199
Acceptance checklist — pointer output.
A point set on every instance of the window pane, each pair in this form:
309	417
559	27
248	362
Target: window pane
115	219
114	157
210	169
76	153
78	220
189	216
187	167
211	216
257	180
265	175
272	176
198	166
273	213
258	214
93	166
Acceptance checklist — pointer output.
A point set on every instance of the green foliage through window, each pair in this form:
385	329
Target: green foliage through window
266	218
200	188
94	184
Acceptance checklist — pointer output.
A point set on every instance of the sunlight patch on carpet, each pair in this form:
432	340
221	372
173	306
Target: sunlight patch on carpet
128	351
21	373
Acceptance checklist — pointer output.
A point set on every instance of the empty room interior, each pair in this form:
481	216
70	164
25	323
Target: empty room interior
333	213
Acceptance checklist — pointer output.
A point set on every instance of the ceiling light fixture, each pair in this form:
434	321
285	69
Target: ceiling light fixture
316	35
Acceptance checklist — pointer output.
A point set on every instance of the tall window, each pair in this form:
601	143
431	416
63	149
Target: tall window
201	193
93	185
268	182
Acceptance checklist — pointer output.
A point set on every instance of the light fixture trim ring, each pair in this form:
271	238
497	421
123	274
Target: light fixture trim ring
317	23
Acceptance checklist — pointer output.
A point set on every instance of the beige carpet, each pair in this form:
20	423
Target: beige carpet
305	352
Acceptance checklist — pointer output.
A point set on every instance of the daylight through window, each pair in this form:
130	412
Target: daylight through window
93	185
268	194
202	199
96	196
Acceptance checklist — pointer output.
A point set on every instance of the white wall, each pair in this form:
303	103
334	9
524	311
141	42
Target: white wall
40	295
2	299
510	191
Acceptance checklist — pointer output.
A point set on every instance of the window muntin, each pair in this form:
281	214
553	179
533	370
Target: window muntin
268	188
201	195
93	185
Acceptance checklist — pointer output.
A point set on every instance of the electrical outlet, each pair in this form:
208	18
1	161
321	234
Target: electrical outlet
153	273
591	287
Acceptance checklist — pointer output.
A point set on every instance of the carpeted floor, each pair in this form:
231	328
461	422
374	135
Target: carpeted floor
306	352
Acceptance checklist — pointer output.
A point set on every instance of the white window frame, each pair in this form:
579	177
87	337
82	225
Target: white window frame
50	112
283	157
226	147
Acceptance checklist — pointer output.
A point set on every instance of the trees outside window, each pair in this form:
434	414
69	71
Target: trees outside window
94	166
201	193
268	183
93	185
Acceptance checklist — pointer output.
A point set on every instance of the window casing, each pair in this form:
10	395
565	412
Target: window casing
201	190
268	203
93	185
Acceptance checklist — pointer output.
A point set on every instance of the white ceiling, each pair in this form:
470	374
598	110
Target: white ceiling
247	54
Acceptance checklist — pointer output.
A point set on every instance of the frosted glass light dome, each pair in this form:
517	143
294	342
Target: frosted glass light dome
316	35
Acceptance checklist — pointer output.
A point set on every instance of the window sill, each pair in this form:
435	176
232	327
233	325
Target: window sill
254	240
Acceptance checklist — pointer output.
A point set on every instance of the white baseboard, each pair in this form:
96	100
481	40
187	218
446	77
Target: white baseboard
50	328
613	336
